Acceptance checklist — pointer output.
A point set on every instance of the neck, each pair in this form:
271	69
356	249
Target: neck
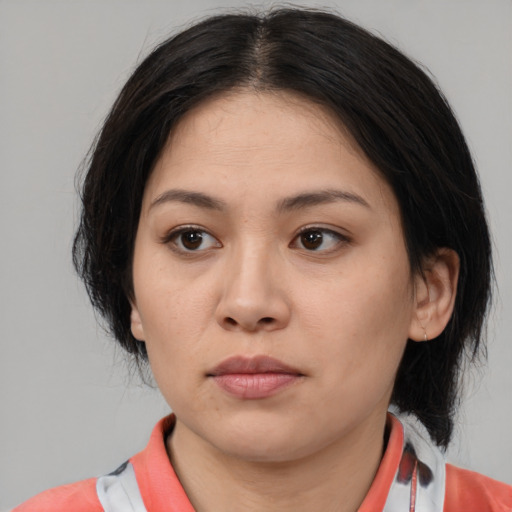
337	478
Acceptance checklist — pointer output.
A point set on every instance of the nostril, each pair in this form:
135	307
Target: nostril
245	323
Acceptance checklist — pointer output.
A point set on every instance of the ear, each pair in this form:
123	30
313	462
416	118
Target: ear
136	323
435	292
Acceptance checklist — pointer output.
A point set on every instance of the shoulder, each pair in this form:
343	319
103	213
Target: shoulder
472	492
77	497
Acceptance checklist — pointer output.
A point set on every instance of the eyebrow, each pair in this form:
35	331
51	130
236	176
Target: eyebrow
305	200
186	196
309	199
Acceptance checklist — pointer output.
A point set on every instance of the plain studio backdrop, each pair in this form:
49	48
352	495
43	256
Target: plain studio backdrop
69	409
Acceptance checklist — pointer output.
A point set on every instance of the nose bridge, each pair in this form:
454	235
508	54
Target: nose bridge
249	274
252	294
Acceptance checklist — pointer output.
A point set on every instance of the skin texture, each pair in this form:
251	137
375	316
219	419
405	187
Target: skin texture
338	309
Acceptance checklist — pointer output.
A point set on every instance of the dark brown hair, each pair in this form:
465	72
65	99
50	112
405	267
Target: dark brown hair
393	111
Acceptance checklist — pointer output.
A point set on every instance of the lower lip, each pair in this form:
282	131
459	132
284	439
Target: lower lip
255	385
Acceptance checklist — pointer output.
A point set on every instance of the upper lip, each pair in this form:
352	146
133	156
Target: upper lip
252	365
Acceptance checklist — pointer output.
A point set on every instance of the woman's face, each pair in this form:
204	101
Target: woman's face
271	281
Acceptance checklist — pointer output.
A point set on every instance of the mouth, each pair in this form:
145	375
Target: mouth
254	378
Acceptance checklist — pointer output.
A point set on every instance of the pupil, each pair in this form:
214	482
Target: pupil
312	239
191	239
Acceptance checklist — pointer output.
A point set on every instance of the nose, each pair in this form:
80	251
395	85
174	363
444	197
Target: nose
254	297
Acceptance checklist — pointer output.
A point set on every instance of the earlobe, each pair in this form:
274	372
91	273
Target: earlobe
136	323
435	293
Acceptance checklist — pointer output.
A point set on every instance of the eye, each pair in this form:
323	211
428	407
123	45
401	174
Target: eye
190	239
319	239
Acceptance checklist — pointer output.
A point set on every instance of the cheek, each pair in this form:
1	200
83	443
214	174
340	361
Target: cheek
378	291
174	314
171	303
175	337
361	318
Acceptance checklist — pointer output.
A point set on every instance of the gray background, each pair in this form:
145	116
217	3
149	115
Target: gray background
69	409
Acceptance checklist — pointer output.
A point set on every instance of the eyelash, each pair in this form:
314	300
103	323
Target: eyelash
340	238
172	239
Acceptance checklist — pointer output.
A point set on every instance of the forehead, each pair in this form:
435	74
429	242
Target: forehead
243	142
249	121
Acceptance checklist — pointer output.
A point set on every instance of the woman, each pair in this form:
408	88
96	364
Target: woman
282	217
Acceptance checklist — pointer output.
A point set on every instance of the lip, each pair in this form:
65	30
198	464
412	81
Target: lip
254	377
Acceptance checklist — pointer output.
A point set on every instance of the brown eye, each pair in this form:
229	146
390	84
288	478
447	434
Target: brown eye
319	240
311	240
191	240
188	239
